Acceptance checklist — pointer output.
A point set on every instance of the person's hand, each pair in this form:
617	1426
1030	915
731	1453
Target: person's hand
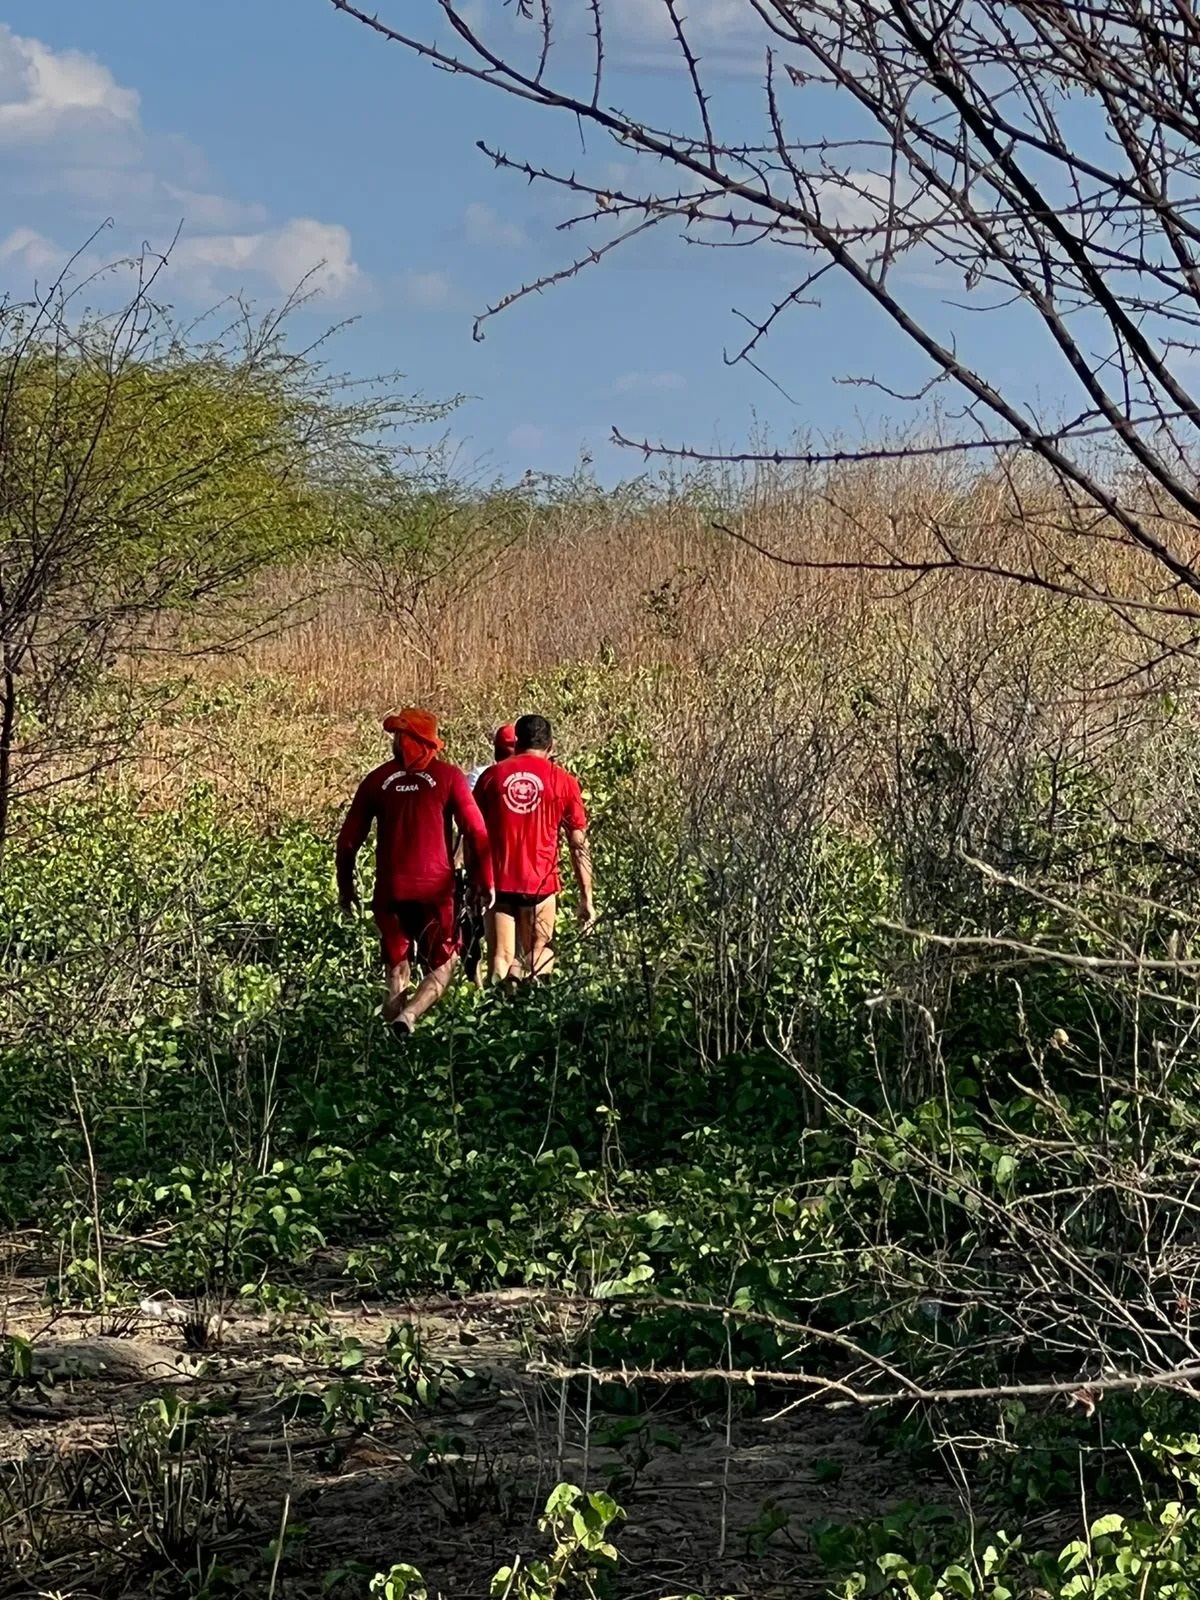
485	899
587	914
350	903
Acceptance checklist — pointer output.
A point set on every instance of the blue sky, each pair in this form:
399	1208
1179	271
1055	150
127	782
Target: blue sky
284	144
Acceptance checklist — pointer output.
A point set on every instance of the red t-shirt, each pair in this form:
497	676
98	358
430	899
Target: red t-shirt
526	801
414	815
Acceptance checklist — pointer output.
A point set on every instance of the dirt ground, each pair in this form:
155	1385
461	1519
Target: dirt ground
722	1505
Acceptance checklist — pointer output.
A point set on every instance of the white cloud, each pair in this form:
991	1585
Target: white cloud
427	290
706	19
649	382
483	226
44	92
302	251
74	144
32	252
727	35
868	207
853	201
214	210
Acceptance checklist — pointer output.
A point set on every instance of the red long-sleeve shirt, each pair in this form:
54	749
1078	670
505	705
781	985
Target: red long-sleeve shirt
415	814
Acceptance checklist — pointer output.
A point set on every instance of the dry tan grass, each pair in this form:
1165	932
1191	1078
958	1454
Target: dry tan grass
670	587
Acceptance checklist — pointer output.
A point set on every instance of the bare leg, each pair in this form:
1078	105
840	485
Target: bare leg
429	991
503	945
534	935
398	979
541	943
522	967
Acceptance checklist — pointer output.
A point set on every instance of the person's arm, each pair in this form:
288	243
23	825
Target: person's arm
350	839
575	822
581	861
473	832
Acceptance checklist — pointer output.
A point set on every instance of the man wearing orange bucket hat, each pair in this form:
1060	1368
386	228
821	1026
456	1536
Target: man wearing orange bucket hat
417	803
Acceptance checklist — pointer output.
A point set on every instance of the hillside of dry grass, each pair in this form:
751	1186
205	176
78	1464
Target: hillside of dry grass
776	600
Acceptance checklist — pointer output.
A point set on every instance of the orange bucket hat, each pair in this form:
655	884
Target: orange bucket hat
418	735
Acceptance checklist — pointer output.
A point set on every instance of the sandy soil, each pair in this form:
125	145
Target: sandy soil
79	1517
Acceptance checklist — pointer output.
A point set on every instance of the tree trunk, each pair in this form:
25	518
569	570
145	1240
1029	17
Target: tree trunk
8	723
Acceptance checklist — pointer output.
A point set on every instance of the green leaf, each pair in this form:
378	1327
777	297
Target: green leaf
1113	1522
604	1504
562	1499
1006	1170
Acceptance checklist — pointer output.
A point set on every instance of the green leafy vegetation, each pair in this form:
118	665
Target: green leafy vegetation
859	1137
916	1554
578	1524
152	473
806	1155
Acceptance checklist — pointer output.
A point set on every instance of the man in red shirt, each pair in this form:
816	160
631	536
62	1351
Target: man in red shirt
528	803
479	926
416	802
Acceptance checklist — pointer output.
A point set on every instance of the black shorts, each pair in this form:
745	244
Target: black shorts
510	904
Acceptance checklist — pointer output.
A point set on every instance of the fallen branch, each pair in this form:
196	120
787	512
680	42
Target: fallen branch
1084	1393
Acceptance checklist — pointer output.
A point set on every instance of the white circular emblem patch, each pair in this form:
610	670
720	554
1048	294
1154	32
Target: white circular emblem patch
523	792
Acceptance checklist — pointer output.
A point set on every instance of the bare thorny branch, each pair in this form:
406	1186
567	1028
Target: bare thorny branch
1045	156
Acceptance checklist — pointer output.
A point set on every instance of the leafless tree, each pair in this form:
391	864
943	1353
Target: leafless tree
1037	161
